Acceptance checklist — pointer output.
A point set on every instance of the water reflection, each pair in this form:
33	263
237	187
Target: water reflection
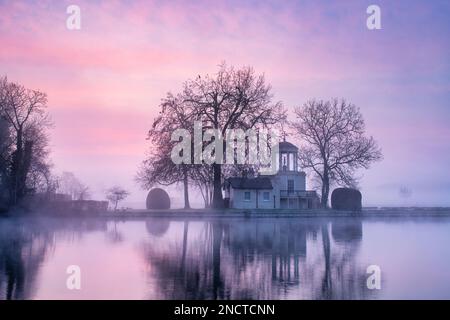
200	259
24	245
260	259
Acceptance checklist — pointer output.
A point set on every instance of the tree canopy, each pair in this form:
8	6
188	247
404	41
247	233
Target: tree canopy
230	99
24	124
334	144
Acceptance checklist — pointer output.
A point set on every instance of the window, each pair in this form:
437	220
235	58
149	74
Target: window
290	185
247	196
292	160
266	196
284	159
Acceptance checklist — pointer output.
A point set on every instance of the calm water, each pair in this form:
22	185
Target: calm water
224	258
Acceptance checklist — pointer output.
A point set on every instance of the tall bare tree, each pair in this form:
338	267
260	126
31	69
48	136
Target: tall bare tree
334	144
158	168
24	112
231	99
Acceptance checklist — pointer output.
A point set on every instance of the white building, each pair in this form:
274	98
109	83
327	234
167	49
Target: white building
284	190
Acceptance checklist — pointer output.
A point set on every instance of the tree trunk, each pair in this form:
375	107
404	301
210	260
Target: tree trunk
325	189
217	202
186	188
25	168
15	169
208	196
202	192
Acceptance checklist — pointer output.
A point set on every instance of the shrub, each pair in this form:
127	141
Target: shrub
158	199
346	199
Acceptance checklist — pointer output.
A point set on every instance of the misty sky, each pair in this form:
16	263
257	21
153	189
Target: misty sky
105	81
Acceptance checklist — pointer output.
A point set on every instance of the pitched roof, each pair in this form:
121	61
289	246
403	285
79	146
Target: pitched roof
250	183
287	146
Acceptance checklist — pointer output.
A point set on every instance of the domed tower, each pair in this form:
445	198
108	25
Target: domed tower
288	157
289	182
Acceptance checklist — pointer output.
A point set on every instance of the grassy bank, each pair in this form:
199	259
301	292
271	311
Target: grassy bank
370	212
235	213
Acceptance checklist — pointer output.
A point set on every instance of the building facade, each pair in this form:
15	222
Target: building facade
284	190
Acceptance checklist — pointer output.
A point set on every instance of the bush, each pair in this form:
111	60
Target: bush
158	199
346	199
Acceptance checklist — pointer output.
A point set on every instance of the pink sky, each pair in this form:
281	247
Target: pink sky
105	81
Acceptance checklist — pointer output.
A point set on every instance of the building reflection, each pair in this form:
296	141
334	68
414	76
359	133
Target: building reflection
260	259
202	259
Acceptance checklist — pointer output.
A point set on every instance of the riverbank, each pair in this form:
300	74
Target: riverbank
236	213
262	213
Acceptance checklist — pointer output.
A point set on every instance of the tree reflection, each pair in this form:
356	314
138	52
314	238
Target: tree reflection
21	252
189	268
24	245
327	284
206	259
259	259
343	276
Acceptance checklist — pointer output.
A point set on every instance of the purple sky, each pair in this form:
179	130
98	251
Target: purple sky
105	81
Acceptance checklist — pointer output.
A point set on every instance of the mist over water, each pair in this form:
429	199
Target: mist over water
232	258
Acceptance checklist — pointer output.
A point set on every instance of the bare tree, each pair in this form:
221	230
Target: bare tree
232	99
116	194
158	168
203	178
69	184
39	174
25	157
334	142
